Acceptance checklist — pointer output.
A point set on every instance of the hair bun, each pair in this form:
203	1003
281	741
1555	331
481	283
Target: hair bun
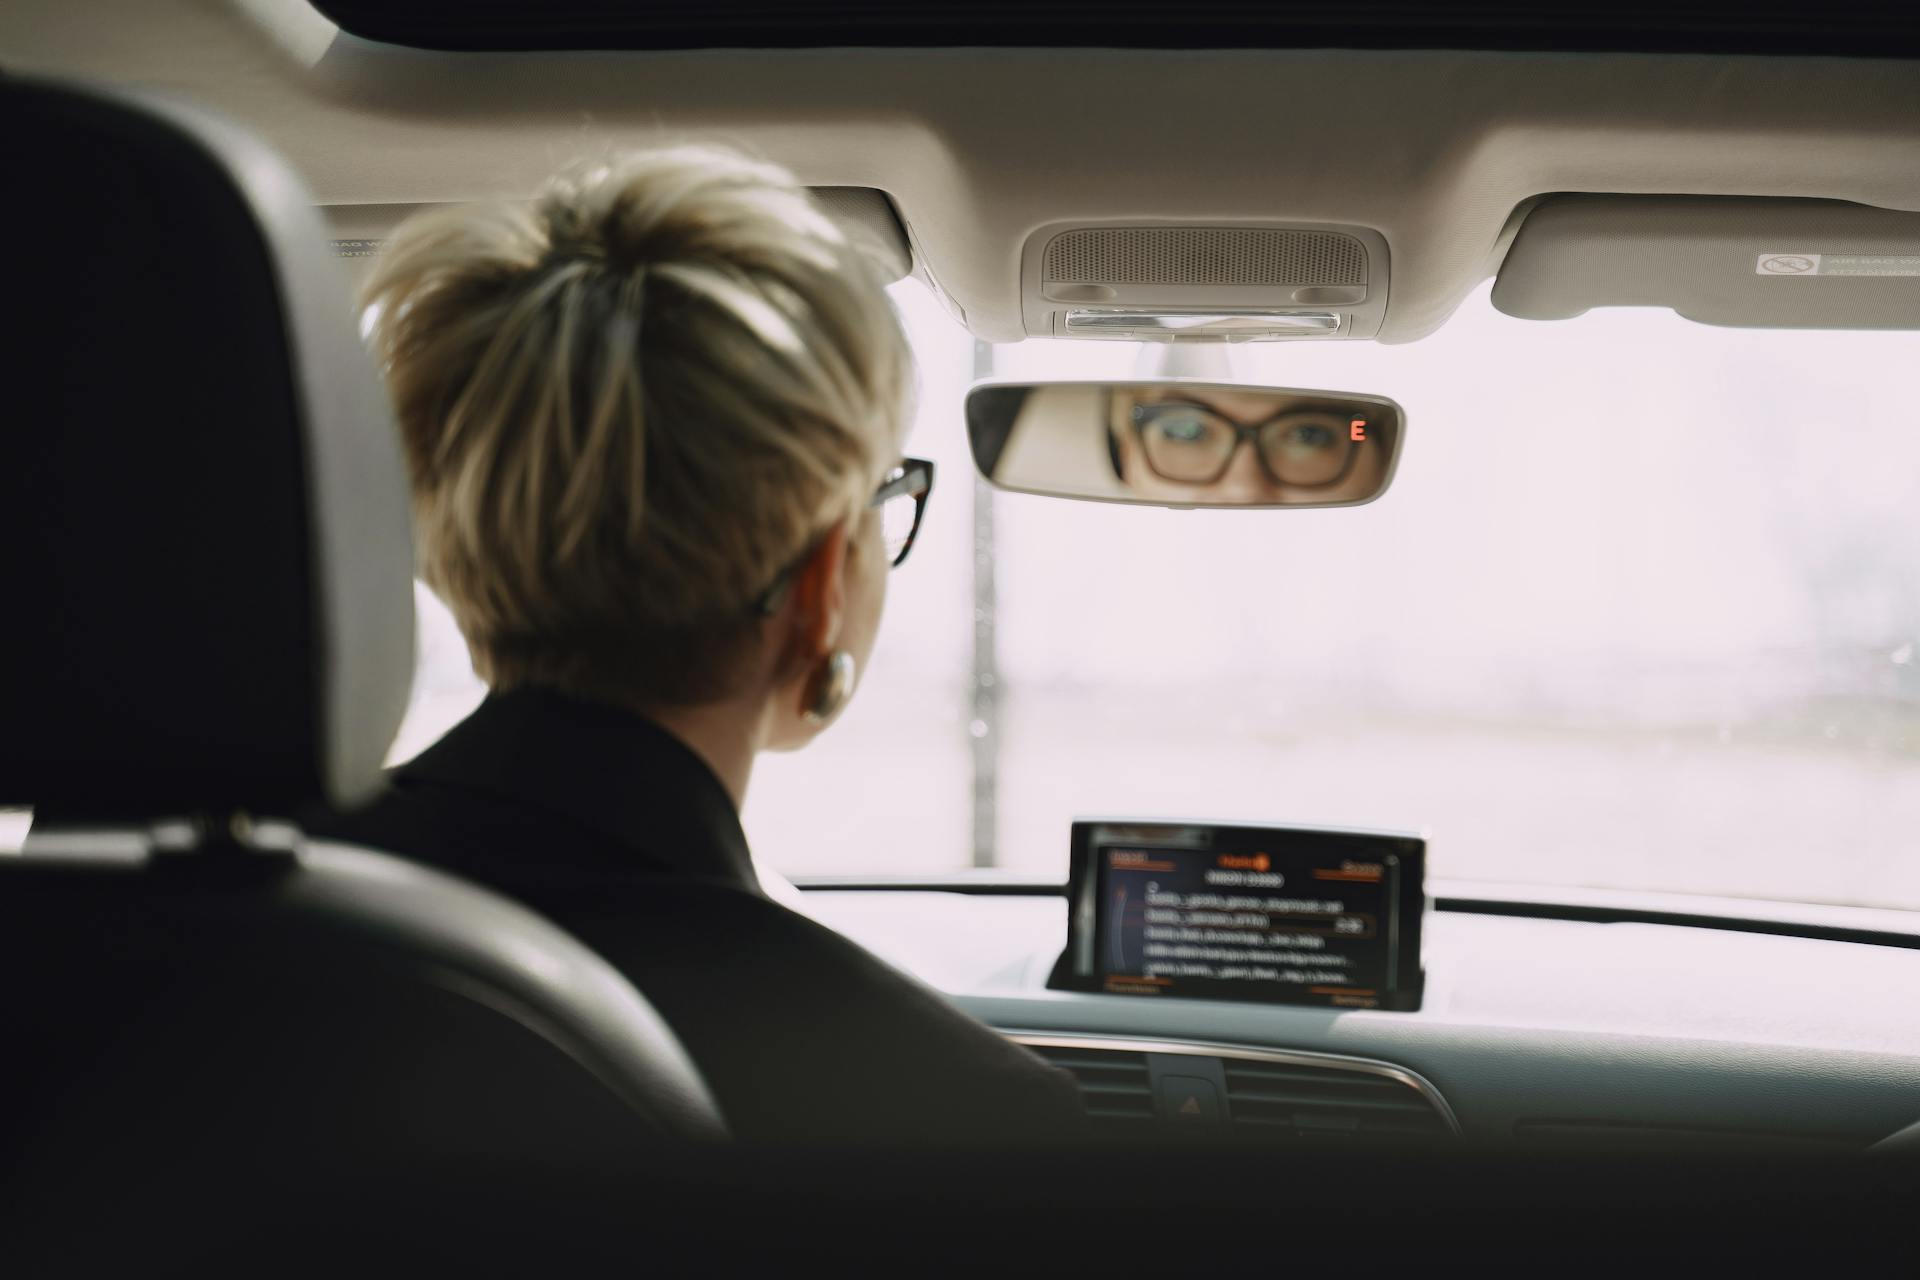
602	487
690	204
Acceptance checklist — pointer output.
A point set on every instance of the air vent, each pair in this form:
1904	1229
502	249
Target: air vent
1327	1102
1115	1083
1263	1096
1205	256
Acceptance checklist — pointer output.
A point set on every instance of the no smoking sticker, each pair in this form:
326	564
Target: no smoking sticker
1788	264
1859	265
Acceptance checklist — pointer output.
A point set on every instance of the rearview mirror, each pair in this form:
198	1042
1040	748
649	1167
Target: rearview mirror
1181	443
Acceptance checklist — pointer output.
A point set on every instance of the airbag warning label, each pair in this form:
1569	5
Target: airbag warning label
1859	265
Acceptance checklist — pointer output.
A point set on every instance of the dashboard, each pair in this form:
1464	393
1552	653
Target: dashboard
1630	1025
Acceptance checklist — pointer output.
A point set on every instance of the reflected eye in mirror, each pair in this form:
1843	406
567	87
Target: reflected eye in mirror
1183	426
1185	443
1307	450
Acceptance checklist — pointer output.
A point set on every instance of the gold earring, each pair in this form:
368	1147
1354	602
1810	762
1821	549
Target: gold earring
830	689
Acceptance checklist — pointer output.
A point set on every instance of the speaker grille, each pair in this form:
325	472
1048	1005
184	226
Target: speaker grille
1205	255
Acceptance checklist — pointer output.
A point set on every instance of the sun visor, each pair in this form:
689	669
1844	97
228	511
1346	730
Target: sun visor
1743	262
360	231
871	223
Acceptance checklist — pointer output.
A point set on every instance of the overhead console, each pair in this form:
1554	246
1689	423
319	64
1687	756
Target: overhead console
1238	282
1747	262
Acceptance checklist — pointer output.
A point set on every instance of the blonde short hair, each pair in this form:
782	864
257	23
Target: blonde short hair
630	406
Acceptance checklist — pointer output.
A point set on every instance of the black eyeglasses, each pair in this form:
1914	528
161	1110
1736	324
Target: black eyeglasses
902	500
1195	444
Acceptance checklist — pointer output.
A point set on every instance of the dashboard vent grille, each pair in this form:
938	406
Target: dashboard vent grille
1266	1100
1327	1102
1115	1083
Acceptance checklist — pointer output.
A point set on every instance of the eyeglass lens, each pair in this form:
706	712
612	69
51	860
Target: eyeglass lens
898	515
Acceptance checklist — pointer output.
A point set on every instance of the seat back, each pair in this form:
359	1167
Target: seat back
205	573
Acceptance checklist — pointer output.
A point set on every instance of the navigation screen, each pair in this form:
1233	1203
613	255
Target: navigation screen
1287	914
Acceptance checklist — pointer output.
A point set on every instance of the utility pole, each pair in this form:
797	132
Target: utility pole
983	720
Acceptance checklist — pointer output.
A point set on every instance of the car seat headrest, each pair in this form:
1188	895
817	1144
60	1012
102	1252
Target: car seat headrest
204	552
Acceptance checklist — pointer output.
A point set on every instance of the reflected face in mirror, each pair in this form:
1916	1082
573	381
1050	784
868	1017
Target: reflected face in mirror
1254	448
1185	443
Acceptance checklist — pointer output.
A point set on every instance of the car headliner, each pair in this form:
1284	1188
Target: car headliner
1440	151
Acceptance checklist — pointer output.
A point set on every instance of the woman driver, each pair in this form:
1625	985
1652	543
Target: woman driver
652	424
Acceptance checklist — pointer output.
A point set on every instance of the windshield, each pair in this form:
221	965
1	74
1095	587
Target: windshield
1639	612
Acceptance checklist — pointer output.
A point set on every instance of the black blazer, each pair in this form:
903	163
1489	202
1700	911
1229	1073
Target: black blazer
611	827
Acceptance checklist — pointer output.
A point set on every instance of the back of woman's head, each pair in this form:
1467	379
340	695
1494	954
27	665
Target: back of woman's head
628	407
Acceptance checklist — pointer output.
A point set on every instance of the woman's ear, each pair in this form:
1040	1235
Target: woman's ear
819	601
